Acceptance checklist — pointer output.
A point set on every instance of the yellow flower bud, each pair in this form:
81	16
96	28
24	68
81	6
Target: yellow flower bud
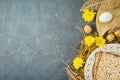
87	29
110	37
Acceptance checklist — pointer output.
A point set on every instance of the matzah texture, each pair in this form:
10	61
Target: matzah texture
108	67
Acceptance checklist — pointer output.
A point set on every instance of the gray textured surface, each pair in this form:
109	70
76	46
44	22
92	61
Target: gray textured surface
35	36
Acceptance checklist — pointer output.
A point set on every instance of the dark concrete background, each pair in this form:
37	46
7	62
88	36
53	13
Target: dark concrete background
35	36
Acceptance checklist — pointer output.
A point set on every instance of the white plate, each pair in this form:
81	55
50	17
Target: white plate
113	48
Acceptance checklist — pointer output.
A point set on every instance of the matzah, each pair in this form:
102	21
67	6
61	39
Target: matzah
106	66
